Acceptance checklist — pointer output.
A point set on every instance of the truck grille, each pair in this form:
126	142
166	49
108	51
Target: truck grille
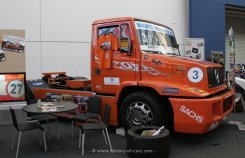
215	76
227	104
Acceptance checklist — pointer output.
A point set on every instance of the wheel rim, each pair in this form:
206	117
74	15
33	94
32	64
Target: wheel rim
139	114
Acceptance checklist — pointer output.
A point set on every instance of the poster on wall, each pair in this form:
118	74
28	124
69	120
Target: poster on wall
12	51
13	43
218	57
194	48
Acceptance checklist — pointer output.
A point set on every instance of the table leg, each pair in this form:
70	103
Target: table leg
53	144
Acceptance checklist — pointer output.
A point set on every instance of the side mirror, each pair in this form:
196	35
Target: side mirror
106	46
125	46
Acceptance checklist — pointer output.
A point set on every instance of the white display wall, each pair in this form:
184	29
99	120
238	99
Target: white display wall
58	31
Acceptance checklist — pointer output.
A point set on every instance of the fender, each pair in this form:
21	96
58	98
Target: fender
123	85
180	90
159	87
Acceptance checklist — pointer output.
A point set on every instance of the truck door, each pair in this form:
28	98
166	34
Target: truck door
114	57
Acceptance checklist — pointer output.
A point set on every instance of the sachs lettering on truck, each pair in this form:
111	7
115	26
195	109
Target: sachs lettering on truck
191	114
136	68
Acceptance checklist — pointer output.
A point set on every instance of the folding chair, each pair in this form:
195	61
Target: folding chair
96	126
25	127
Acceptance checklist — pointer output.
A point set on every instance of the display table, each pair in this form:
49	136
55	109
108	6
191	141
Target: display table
60	107
50	108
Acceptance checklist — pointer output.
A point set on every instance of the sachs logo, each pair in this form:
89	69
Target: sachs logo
191	114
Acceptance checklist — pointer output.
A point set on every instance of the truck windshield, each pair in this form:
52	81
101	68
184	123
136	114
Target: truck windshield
156	39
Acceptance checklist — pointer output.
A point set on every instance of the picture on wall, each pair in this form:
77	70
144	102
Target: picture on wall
13	43
194	48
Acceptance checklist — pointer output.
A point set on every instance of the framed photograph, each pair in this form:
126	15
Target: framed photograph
13	43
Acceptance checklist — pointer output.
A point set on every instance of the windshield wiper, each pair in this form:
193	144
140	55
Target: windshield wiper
153	51
171	53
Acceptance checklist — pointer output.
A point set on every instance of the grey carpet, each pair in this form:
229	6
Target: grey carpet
227	141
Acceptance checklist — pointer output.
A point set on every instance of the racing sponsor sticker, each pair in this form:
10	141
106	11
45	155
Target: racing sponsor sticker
111	81
195	74
152	27
192	114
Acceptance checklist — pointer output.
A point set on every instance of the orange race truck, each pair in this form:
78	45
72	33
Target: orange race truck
137	69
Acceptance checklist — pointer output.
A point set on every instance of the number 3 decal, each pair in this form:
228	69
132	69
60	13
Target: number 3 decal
195	74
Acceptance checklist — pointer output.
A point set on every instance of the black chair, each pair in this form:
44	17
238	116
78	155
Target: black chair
46	119
96	126
25	127
93	111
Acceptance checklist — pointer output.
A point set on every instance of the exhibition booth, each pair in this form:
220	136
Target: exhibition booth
144	92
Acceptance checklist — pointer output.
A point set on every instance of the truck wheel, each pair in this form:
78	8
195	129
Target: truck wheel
142	109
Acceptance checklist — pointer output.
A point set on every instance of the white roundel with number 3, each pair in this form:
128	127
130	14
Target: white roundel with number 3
195	74
16	89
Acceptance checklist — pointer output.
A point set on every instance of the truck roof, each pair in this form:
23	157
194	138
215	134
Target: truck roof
109	20
113	20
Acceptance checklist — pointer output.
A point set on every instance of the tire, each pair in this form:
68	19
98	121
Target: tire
142	109
157	146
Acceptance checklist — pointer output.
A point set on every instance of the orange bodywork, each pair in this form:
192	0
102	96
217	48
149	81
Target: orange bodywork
76	84
200	115
197	106
41	93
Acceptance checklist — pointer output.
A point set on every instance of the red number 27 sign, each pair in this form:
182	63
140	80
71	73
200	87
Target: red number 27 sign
12	87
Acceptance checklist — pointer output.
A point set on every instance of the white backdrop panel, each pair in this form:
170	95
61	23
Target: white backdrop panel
21	14
67	57
71	19
33	62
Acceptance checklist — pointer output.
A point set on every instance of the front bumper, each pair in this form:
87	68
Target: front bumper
201	115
